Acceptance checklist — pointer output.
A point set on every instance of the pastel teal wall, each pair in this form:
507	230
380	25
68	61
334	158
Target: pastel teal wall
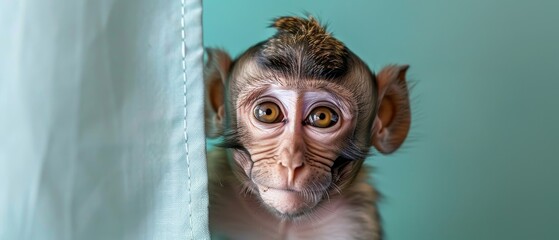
481	161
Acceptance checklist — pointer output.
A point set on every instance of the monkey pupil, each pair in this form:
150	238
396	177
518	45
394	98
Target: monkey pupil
322	116
268	111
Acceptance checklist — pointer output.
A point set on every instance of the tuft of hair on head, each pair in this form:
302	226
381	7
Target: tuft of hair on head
303	45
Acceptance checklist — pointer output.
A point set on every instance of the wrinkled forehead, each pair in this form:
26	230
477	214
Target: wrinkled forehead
249	74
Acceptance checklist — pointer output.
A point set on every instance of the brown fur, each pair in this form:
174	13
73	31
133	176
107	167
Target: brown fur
308	41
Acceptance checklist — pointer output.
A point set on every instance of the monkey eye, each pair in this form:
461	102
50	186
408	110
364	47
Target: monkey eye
268	112
322	117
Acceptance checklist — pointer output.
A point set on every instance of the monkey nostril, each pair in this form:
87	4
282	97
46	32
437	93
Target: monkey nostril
291	164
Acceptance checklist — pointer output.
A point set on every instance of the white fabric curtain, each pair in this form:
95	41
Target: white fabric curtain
101	120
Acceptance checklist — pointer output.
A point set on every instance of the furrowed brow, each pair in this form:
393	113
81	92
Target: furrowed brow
251	95
340	100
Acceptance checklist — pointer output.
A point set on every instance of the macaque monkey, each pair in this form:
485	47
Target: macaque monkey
298	114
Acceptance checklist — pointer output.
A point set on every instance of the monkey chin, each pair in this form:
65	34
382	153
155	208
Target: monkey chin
287	204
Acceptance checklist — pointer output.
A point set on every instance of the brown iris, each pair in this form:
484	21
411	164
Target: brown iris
322	117
268	112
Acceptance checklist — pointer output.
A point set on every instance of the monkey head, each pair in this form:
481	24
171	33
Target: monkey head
299	112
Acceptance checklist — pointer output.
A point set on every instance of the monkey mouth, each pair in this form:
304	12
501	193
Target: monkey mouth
288	203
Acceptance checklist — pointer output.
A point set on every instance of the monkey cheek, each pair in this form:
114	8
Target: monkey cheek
285	202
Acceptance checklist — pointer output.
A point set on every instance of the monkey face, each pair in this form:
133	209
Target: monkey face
293	137
300	112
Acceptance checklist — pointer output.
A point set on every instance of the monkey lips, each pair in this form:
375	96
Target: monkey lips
287	202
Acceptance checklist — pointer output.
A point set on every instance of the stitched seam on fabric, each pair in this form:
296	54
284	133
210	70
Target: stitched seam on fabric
183	49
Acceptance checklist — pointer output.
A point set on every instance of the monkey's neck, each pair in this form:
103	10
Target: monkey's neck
243	216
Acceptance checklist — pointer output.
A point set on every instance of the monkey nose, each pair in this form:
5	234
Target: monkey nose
293	165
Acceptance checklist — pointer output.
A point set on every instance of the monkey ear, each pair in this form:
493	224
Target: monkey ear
216	71
393	119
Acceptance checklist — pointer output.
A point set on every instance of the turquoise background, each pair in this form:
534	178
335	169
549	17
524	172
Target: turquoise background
480	162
